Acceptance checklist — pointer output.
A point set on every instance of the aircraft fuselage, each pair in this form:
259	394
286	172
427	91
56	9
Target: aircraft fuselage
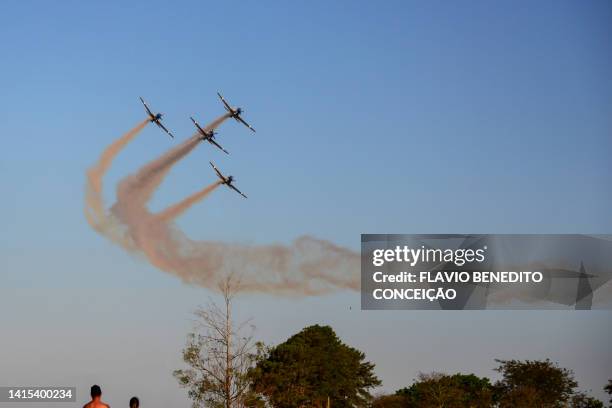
206	136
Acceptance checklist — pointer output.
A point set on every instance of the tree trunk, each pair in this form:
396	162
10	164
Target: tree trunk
228	360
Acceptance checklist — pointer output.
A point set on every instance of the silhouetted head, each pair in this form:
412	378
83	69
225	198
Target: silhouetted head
238	111
159	116
230	179
96	391
134	403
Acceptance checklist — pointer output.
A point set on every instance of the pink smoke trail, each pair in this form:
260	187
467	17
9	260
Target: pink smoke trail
308	266
178	209
95	211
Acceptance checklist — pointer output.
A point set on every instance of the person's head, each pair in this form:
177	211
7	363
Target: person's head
96	391
134	403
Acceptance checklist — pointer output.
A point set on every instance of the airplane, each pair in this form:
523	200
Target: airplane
235	112
156	118
208	136
227	180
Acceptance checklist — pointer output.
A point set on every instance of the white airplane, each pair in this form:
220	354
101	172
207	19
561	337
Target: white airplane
156	118
208	136
235	112
227	180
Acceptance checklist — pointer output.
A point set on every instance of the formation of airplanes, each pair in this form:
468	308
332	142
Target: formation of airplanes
207	135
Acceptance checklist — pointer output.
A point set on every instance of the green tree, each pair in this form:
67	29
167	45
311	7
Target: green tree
581	400
540	383
448	391
390	401
311	367
608	389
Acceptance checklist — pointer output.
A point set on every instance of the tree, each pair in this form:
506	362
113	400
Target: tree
608	389
524	396
311	368
449	391
219	355
390	401
581	400
534	384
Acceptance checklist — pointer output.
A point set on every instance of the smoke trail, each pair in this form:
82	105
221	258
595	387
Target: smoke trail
178	209
308	266
95	212
137	189
109	223
217	122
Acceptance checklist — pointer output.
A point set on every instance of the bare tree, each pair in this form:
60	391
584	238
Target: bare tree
218	354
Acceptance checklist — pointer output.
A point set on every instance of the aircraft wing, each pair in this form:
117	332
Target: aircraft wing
212	141
236	190
146	106
158	123
238	118
229	108
197	125
221	176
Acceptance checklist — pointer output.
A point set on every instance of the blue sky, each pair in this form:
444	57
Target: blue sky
401	117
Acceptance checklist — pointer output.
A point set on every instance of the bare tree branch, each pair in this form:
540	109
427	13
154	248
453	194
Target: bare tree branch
219	353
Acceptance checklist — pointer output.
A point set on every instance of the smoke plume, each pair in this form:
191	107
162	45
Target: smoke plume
178	209
95	212
308	266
